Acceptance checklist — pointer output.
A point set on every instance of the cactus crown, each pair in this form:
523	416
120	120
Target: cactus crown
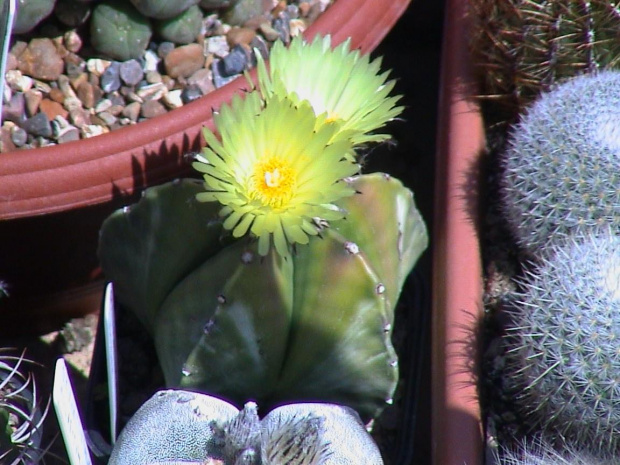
562	170
564	341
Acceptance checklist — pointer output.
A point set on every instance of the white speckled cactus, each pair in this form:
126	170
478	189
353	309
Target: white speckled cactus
562	170
541	453
312	326
177	426
564	342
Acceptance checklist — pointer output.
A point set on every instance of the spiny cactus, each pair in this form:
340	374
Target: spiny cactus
522	47
315	325
564	341
21	415
562	170
195	428
541	453
118	30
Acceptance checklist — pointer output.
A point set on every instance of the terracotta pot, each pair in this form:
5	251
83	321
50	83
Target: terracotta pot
457	272
54	199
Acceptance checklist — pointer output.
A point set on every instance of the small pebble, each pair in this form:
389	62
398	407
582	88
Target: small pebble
52	109
38	125
97	66
106	118
17	81
184	60
172	99
240	36
132	111
72	41
63	131
152	108
218	79
6	144
131	72
269	32
56	95
153	77
233	63
18	136
164	49
86	94
152	91
64	84
41	60
92	130
116	110
33	98
72	103
151	61
15	109
203	80
103	105
110	79
297	27
281	24
79	117
190	93
217	45
259	43
42	86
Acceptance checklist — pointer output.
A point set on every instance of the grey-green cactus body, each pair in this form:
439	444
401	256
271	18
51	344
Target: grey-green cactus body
180	426
564	341
561	173
315	326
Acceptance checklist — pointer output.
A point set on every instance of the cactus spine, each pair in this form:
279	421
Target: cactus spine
562	170
523	47
564	339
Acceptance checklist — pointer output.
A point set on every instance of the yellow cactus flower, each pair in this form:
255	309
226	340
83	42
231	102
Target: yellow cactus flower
341	85
275	175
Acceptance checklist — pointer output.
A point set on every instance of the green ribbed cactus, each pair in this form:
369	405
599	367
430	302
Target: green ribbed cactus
521	48
187	427
183	28
118	30
30	13
162	9
313	325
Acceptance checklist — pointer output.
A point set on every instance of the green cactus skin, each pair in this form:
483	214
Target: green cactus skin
30	13
119	31
177	425
162	9
564	340
315	327
522	47
540	453
562	170
181	29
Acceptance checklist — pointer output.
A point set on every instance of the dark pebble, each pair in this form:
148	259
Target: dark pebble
282	25
74	69
218	79
233	63
164	49
115	98
259	43
38	125
110	79
190	93
131	72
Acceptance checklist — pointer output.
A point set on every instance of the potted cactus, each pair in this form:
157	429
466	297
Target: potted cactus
68	190
208	429
21	413
276	278
534	240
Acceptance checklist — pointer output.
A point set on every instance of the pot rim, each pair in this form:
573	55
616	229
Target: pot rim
91	171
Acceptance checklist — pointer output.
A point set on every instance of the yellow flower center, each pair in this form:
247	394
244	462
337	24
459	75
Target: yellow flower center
272	182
